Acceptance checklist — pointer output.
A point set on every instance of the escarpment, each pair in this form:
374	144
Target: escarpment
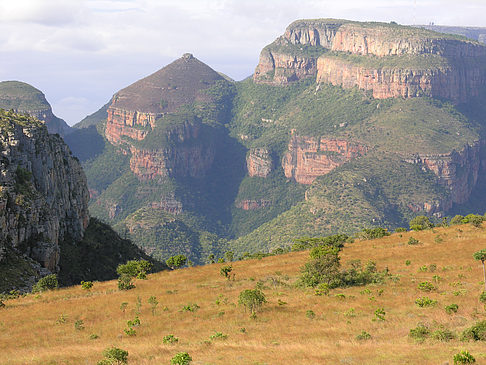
43	191
26	99
387	59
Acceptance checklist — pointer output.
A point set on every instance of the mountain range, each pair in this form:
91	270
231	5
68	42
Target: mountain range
343	125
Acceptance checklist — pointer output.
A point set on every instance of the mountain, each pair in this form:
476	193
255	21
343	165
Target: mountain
44	210
24	98
477	33
343	125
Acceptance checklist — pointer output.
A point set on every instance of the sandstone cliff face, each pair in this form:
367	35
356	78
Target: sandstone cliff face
43	193
451	82
253	204
259	162
309	158
132	124
458	171
187	155
301	53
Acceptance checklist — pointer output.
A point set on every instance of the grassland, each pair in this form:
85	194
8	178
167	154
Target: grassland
283	332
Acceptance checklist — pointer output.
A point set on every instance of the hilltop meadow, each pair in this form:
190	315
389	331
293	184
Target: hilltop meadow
368	324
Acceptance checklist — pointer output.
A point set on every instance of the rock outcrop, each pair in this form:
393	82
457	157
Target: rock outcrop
43	191
253	204
24	98
458	171
389	60
259	162
310	157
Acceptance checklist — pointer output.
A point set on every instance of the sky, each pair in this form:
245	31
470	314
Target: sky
81	52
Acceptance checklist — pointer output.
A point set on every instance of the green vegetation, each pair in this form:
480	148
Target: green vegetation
463	357
477	332
21	96
252	299
181	358
176	262
48	282
114	355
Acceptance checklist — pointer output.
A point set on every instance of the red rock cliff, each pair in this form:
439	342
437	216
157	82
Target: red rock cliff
309	158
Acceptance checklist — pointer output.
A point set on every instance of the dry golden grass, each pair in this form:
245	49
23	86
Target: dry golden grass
281	334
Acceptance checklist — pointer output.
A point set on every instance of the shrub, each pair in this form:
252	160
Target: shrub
225	271
380	314
476	332
153	303
425	302
218	336
190	308
182	358
87	285
114	355
125	282
451	308
400	229
323	268
458	219
420	222
408	262
463	357
322	289
93	336
363	336
176	261
426	286
443	335
170	339
475	220
413	241
310	314
252	299
482	297
48	282
130	332
79	325
419	333
134	269
372	233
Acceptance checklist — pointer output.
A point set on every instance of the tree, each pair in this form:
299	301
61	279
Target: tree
114	355
420	223
48	282
323	268
252	299
135	268
176	261
481	256
225	271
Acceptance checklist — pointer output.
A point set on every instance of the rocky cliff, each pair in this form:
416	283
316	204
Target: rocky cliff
43	191
310	157
24	98
259	162
388	59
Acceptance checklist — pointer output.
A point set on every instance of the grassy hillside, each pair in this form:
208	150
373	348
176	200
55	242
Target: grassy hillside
295	326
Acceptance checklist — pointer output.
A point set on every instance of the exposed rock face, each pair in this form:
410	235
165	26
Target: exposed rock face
132	124
259	162
43	193
251	204
439	66
458	170
309	157
186	155
24	98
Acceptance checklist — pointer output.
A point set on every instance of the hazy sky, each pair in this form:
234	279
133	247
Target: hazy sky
80	52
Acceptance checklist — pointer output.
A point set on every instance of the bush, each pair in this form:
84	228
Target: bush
458	219
476	332
475	220
380	314
425	302
451	308
482	297
114	355
48	282
426	286
125	282
363	336
400	229
252	299
443	335
176	261
463	357
419	333
218	336
134	269
372	233
413	241
420	222
182	358
86	285
225	271
190	308
310	314
170	339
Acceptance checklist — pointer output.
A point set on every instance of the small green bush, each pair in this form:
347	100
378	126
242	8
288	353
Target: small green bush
413	241
443	335
252	299
190	308
177	261
125	282
86	285
400	229
482	297
458	219
182	358
130	332
420	222
48	282
464	357
218	336
79	325
425	302
363	336
380	314
93	336
426	286
310	314
169	339
451	308
114	355
419	333
225	271
408	262
475	333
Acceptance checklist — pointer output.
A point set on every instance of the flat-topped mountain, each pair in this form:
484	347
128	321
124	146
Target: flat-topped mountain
389	60
24	98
